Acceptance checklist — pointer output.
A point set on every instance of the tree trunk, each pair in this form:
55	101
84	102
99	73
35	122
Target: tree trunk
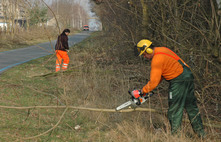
144	19
215	29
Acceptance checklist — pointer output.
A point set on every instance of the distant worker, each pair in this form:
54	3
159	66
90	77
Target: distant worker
167	65
61	49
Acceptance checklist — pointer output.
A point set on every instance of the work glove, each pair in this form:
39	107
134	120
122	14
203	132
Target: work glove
67	50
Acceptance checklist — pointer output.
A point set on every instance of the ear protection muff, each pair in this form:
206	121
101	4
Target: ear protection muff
149	50
144	46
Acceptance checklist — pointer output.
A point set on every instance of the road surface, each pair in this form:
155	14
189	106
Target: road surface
15	57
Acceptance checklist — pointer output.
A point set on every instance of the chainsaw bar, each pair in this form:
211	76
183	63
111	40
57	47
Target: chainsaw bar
135	101
124	105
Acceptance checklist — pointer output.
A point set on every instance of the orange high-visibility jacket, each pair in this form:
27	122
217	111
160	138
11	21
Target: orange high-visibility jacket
164	64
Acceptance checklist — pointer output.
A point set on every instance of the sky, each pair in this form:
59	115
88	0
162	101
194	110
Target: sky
219	1
94	22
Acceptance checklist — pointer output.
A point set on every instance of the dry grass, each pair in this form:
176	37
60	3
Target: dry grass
99	79
26	38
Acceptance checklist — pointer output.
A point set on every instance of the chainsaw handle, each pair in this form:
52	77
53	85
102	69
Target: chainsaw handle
152	93
138	103
147	95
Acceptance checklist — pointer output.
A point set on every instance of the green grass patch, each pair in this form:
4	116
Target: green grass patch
36	84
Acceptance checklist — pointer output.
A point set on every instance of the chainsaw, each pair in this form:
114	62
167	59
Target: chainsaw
136	99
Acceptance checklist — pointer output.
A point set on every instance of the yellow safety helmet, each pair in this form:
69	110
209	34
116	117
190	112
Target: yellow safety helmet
143	46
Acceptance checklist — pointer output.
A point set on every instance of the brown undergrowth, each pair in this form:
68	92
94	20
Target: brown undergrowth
103	72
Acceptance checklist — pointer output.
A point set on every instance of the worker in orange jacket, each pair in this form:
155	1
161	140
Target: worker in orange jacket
61	49
167	65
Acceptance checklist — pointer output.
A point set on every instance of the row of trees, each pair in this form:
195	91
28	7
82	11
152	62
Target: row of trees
23	14
195	18
190	28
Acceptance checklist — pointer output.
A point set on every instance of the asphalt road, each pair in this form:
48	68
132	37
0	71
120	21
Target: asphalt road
13	58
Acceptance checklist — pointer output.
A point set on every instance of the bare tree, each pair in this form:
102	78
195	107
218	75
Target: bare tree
69	13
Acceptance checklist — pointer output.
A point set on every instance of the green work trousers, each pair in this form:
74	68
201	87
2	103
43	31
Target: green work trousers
181	96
